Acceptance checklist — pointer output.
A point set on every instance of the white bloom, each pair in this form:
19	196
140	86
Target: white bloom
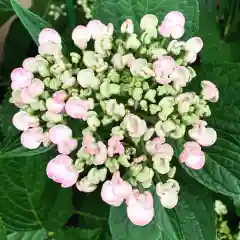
86	79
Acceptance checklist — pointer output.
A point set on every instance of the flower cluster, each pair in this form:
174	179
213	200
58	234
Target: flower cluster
111	108
87	7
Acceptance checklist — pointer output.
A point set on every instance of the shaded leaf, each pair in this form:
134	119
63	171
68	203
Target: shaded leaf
31	235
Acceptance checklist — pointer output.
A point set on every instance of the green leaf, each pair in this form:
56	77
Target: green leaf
209	31
31	235
32	22
92	211
79	234
159	228
3	232
117	11
6	11
195	212
29	200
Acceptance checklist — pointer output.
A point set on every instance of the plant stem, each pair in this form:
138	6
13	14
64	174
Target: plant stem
90	216
71	13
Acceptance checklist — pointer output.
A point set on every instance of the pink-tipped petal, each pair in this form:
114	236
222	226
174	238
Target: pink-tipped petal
49	35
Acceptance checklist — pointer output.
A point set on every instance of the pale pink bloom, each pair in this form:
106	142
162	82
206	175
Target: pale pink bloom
67	146
32	138
30	64
115	146
140	210
190	57
54	105
81	36
96	28
59	133
60	169
194	44
163	67
77	108
116	190
209	91
26	97
175	17
173	25
168	29
49	35
60	96
89	144
168	193
50	48
203	135
101	154
21	78
17	99
23	121
127	27
180	77
136	126
192	156
158	145
36	88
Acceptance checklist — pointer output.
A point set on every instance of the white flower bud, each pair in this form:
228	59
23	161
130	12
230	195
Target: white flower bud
87	79
140	68
137	94
150	95
132	42
127	27
85	186
149	133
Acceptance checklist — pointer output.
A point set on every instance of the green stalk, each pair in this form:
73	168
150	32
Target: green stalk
71	13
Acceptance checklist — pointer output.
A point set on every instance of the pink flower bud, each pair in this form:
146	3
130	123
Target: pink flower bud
140	208
96	28
163	67
115	146
77	108
49	35
101	154
194	44
32	138
60	96
23	121
190	57
36	88
81	36
89	144
203	135
55	106
157	145
116	190
60	169
67	146
192	156
209	91
21	78
127	27
60	133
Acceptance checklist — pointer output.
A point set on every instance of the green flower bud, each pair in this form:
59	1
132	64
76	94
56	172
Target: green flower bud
79	165
113	76
47	81
54	117
106	120
172	172
150	95
137	94
135	169
178	132
55	84
75	57
124	160
161	90
112	164
153	108
92	121
145	86
46	94
43	70
175	47
131	151
133	181
107	89
95	176
190	119
168	126
145	175
149	133
117	131
131	102
132	42
144	105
